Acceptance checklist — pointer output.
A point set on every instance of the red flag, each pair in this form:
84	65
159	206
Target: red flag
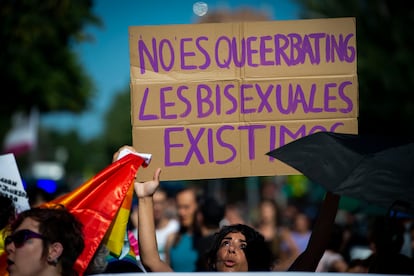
97	202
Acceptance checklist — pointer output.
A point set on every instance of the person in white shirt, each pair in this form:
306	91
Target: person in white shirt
164	225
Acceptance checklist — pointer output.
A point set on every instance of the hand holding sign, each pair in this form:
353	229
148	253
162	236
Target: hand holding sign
209	100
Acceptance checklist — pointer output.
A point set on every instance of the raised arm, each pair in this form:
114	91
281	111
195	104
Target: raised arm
147	242
321	233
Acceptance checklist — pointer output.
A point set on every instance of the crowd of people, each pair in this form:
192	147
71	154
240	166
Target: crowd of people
189	232
298	242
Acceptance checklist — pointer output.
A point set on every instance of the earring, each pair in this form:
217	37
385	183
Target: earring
52	261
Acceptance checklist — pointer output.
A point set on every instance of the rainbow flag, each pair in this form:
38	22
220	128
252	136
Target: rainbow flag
116	232
101	204
127	259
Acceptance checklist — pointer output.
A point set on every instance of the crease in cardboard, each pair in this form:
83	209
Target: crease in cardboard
180	115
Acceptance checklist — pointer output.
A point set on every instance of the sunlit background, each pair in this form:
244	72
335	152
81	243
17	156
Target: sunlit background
106	59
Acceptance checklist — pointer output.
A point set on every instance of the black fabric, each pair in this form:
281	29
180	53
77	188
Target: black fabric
377	170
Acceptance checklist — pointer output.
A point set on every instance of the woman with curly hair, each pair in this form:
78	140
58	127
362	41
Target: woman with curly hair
239	248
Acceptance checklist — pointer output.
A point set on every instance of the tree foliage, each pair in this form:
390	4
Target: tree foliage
118	129
39	68
37	63
385	60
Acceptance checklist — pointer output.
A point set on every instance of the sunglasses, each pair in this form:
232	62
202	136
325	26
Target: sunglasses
20	237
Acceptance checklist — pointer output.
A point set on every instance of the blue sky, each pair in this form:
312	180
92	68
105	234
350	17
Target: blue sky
106	59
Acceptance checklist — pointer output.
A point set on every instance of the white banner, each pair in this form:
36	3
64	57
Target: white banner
11	183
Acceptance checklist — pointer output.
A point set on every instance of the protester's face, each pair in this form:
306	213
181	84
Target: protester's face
160	201
186	207
231	256
233	215
27	259
267	212
301	223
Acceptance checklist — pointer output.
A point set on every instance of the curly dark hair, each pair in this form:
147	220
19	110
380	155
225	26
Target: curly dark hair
258	254
57	224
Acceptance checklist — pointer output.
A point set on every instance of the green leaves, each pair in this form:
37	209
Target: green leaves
37	62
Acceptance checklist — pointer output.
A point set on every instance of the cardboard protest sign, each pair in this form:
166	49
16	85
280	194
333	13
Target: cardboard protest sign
210	100
11	184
